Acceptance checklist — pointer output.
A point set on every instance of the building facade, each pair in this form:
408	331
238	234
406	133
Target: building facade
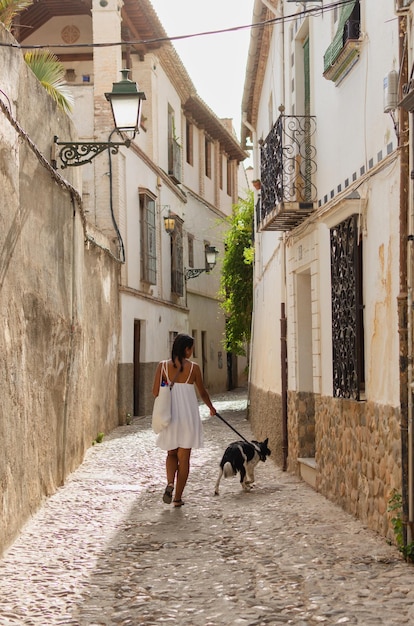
183	163
332	386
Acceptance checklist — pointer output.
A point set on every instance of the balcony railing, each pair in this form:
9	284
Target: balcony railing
288	166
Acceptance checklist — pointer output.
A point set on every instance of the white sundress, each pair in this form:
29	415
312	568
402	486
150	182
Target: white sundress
185	429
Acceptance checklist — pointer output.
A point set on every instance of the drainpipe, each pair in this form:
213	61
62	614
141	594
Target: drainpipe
283	358
410	251
403	313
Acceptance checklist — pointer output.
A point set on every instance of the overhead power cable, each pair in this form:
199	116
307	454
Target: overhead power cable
143	42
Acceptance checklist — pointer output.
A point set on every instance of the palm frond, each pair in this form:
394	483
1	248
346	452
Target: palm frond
51	73
10	8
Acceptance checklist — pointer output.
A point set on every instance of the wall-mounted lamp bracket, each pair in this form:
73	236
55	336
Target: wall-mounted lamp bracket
77	153
211	259
193	273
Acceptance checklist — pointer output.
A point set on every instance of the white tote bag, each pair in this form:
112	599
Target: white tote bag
161	412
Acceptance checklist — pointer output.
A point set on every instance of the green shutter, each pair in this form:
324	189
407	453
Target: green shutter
337	44
306	68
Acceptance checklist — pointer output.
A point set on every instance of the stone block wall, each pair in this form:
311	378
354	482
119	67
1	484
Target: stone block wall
265	416
301	428
356	445
59	306
358	456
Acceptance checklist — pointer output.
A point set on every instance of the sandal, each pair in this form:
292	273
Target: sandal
167	497
178	503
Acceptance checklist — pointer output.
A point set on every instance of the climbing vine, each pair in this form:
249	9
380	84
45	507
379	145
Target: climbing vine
236	287
395	507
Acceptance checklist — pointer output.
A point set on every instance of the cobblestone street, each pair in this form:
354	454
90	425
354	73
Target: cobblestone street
105	550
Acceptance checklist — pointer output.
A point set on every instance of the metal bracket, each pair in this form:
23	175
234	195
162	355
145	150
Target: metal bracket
75	153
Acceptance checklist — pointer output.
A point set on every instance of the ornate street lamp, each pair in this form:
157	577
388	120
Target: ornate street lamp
126	107
211	259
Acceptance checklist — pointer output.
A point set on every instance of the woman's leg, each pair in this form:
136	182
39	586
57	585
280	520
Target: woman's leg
183	455
171	465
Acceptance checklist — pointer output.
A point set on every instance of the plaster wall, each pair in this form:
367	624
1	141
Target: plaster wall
352	125
59	310
356	444
266	364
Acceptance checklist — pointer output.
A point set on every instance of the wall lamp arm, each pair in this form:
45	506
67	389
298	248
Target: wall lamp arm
75	153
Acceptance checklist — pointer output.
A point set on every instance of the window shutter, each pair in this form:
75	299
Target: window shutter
337	44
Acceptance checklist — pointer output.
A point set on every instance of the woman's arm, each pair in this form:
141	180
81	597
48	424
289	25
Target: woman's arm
198	379
156	384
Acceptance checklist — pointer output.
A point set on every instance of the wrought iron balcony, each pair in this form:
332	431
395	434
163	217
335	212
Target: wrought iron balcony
288	166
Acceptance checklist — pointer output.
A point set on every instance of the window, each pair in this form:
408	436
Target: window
206	246
177	269
189	142
343	52
221	170
195	348
147	237
207	156
174	149
171	337
229	178
347	310
190	250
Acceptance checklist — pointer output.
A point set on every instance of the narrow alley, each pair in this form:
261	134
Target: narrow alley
105	549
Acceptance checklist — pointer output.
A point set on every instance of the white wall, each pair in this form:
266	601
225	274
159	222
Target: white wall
352	133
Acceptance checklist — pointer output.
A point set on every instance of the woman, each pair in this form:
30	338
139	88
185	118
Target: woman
185	430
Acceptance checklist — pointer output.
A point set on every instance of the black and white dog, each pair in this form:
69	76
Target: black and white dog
242	457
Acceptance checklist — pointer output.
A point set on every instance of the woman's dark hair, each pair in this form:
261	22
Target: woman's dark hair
181	342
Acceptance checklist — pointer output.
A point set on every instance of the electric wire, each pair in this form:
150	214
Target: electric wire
167	39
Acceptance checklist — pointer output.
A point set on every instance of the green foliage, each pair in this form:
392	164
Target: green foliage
51	73
236	287
44	64
99	438
10	8
395	506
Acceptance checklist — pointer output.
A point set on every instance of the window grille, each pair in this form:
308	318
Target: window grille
347	310
177	265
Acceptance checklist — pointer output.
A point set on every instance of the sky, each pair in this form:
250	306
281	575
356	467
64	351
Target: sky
216	63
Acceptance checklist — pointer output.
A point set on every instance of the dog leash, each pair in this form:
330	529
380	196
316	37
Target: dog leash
230	426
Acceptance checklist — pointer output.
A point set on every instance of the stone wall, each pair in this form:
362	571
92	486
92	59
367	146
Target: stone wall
358	456
356	445
59	311
301	428
265	416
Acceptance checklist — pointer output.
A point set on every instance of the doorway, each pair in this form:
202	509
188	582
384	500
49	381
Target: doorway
137	352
